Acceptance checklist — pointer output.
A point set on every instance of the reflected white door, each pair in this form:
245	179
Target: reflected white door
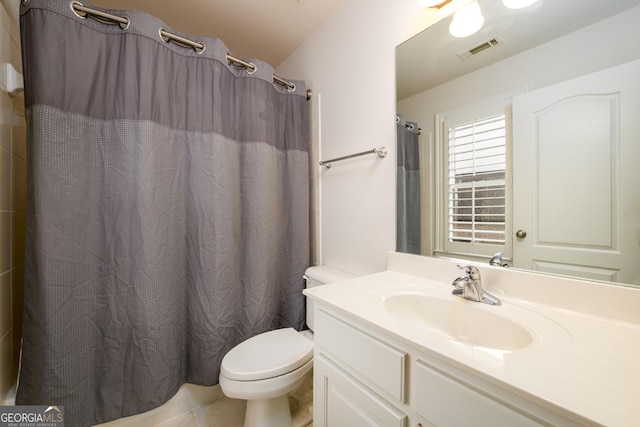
576	176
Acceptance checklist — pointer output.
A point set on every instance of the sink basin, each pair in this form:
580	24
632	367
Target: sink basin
459	320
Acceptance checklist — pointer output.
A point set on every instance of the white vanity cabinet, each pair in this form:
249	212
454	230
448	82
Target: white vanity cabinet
364	377
359	380
444	401
344	401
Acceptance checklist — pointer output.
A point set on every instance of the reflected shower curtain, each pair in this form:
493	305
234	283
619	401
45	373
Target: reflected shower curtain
408	187
168	211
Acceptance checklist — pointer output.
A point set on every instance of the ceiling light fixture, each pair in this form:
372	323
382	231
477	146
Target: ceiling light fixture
518	4
466	21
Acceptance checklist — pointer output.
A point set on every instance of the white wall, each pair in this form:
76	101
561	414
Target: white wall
349	63
607	43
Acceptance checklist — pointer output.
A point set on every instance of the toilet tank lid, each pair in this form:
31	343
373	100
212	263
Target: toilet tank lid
326	274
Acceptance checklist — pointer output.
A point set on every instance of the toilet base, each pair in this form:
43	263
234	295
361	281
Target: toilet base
268	413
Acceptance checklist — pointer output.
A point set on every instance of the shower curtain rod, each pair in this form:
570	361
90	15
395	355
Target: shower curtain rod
106	18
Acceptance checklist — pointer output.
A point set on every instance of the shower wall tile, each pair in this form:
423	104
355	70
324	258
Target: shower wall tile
18	183
6	42
5	241
17	302
5	133
5	303
5	179
10	19
5	106
16	55
17	118
18	237
6	364
19	141
5	18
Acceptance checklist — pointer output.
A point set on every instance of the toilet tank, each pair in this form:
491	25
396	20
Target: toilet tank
321	275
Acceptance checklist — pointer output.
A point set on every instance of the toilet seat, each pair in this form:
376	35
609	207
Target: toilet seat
269	388
267	355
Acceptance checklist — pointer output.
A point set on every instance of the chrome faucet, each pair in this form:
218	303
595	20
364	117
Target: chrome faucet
470	287
497	260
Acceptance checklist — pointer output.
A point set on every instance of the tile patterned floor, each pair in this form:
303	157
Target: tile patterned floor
227	412
224	412
221	412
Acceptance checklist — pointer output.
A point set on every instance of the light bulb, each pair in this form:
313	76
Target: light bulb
467	20
429	3
518	4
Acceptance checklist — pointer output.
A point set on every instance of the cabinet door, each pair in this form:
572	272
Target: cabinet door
347	345
341	401
445	402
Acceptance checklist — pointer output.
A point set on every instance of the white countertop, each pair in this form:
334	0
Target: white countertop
579	362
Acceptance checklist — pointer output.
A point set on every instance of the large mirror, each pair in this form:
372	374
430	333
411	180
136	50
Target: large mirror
529	139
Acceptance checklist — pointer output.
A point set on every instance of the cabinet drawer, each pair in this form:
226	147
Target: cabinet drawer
446	402
345	402
372	360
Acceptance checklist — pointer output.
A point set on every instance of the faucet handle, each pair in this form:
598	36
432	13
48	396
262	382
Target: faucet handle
460	282
472	272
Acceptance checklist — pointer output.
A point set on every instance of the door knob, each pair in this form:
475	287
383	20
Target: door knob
521	234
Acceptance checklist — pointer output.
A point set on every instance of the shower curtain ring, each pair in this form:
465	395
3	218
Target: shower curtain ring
78	13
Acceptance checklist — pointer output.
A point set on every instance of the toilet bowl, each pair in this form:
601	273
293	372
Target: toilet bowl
266	368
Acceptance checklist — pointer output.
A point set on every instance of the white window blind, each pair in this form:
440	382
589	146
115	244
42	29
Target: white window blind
475	167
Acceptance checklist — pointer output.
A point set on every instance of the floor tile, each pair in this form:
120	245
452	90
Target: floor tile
184	420
224	412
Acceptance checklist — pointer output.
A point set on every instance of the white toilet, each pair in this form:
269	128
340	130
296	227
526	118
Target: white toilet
266	368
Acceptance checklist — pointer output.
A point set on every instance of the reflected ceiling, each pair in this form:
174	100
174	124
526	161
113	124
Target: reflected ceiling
436	61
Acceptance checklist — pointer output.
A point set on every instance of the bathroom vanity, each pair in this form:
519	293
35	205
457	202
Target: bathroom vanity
397	349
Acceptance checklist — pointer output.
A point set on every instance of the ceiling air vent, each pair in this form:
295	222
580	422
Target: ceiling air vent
491	43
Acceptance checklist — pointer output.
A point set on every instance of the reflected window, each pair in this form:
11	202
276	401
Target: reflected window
476	169
473	179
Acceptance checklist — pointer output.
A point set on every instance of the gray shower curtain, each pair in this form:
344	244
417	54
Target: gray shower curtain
408	235
168	211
